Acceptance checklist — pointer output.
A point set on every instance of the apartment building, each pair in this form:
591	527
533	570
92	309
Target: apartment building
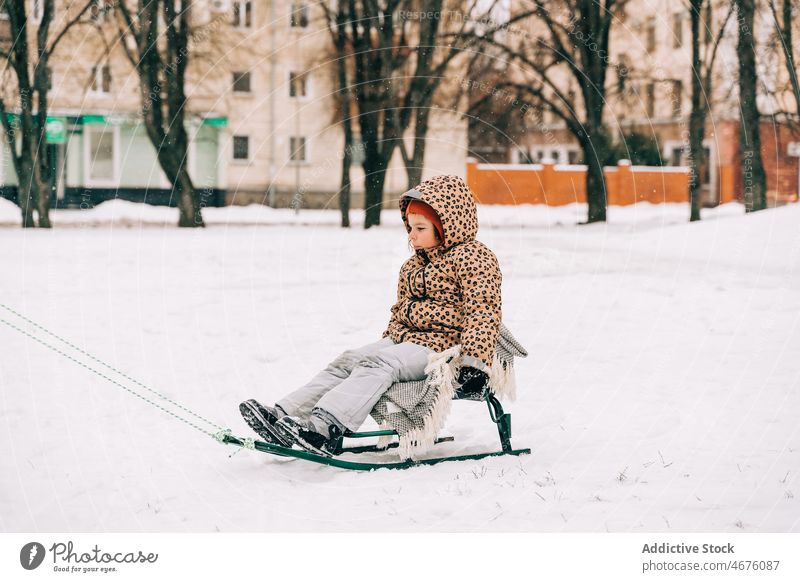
98	148
261	114
648	91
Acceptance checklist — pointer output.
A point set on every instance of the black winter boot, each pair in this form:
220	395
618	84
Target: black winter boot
307	436
262	419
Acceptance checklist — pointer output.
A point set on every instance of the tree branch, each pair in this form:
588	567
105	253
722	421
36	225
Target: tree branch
68	26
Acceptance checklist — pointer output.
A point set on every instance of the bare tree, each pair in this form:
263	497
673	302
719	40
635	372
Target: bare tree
575	44
161	60
393	56
703	60
435	51
337	25
31	91
754	179
373	42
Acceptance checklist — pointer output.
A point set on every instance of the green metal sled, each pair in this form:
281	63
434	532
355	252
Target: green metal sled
501	418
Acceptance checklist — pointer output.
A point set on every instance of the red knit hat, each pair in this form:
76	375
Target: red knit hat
419	207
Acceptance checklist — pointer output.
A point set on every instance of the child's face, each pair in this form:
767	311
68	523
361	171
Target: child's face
422	234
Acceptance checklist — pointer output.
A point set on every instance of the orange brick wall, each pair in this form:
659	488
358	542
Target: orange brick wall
557	185
727	183
783	171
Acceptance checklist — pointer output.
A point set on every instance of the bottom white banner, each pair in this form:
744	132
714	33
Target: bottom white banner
401	557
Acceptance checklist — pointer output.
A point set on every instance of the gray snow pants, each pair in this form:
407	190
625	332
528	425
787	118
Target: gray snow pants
348	388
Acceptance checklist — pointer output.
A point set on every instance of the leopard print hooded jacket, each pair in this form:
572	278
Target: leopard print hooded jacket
449	294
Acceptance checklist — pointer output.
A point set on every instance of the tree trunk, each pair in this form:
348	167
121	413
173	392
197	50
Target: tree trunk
377	152
43	205
32	192
594	22
595	145
172	149
42	190
41	83
697	116
595	188
788	50
414	170
340	41
188	204
40	166
177	57
25	193
188	199
754	179
347	151
344	189
374	180
696	160
28	178
414	173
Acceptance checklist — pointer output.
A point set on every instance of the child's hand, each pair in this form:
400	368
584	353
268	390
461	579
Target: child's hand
472	384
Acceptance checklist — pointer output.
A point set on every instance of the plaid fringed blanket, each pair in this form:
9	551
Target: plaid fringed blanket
418	410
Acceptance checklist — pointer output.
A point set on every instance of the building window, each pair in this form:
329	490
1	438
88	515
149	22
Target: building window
101	154
573	157
242	14
241	82
651	34
102	10
297	84
36	10
677	97
101	80
522	156
677	30
241	147
676	156
297	149
650	99
299	17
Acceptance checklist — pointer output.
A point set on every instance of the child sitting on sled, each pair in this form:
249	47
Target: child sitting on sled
448	293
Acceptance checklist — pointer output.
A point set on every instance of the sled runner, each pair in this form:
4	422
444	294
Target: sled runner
501	418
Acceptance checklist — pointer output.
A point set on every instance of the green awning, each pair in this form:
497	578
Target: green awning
215	121
93	119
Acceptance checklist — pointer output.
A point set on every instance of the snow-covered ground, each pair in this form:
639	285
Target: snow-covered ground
662	392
